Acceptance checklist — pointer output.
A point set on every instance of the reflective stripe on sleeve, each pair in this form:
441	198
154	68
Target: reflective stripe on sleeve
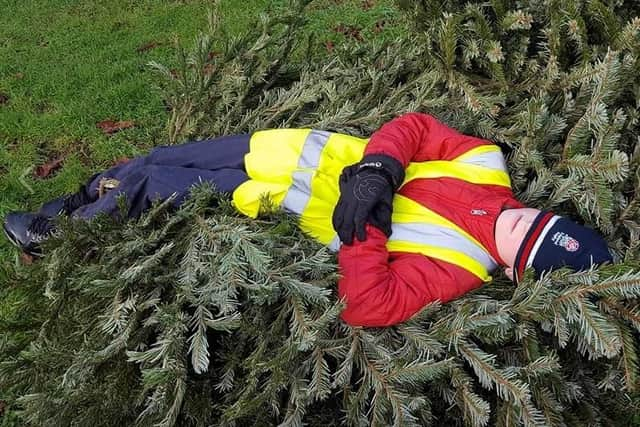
475	151
334	245
312	149
299	193
491	160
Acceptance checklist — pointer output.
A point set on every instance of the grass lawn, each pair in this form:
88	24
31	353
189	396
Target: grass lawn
66	65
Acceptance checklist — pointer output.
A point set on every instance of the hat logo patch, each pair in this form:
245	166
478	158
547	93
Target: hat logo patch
565	241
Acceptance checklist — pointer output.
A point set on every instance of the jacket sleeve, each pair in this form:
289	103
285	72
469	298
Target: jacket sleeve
382	289
420	137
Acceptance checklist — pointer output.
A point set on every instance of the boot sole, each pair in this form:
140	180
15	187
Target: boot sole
11	237
17	244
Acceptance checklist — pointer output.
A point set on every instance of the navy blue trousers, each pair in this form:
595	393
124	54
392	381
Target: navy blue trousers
167	170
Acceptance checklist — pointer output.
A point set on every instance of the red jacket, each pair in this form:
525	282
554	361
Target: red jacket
382	288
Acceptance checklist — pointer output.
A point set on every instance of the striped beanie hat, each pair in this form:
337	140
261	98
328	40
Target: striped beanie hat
554	242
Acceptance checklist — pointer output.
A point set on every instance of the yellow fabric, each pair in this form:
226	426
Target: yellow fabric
406	211
465	171
340	151
444	254
273	159
274	155
248	196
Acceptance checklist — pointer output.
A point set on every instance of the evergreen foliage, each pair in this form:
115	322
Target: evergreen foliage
204	317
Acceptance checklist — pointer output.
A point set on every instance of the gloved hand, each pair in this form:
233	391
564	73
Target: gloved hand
366	193
380	217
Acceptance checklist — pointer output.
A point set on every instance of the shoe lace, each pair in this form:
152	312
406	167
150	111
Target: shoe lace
40	228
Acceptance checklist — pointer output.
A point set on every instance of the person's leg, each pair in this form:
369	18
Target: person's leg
142	180
226	152
89	191
153	182
140	187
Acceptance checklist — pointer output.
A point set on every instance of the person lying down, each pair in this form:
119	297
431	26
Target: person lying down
417	213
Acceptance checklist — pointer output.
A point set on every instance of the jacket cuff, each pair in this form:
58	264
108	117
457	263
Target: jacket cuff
392	167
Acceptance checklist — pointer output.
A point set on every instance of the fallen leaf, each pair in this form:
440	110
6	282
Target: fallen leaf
43	171
26	259
208	69
212	54
174	73
349	31
379	26
121	161
147	46
4	98
110	127
19	76
329	45
367	4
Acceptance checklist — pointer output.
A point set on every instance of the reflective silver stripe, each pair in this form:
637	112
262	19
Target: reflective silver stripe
492	160
295	201
302	181
299	192
435	235
312	149
334	245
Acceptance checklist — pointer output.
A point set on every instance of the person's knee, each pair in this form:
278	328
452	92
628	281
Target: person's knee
159	180
148	171
157	151
151	169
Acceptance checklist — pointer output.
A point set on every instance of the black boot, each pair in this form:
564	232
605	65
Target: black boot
67	204
76	200
27	230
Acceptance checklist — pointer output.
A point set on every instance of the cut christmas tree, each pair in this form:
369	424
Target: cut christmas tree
205	317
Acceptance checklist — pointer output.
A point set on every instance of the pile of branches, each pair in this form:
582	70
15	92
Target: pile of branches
204	317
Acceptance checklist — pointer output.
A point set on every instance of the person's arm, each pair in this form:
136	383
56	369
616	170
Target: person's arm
418	137
382	289
411	137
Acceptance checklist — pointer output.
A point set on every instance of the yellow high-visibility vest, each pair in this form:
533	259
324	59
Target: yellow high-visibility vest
298	170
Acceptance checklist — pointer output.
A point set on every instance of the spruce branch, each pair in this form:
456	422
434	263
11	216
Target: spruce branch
203	317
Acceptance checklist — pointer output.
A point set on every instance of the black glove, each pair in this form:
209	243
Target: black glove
363	187
380	217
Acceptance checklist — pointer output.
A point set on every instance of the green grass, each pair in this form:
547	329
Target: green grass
66	65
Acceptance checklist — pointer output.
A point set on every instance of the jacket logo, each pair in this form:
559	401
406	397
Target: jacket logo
565	241
377	165
478	212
